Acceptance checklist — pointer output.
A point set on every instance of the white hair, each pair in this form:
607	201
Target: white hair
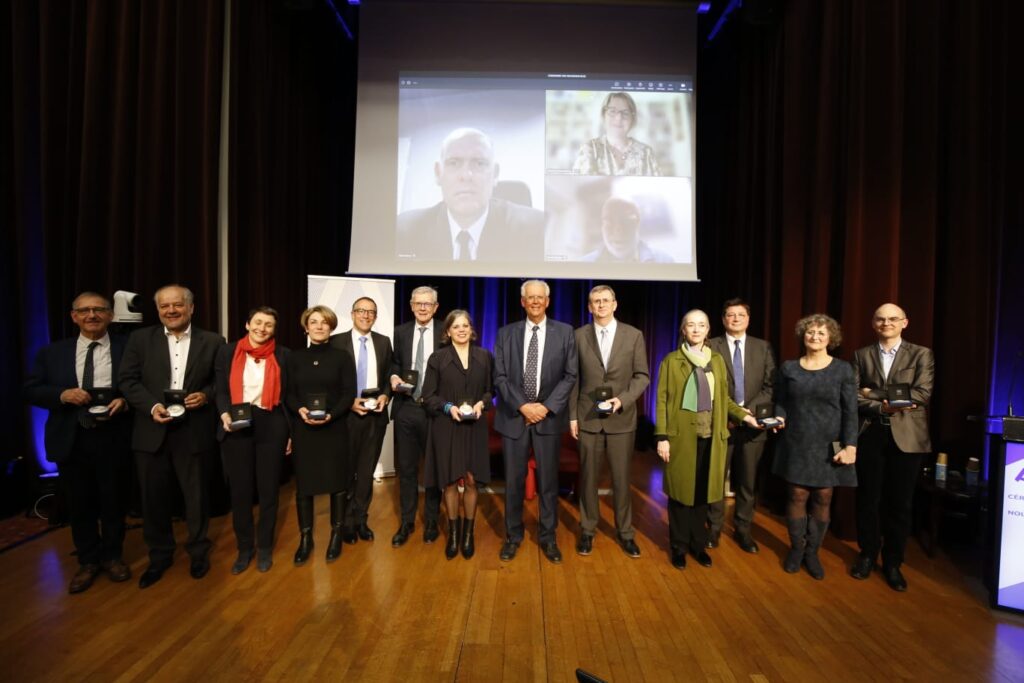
547	289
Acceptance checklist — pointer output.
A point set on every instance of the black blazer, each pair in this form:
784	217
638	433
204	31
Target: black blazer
52	372
382	351
401	362
512	233
222	372
146	373
758	373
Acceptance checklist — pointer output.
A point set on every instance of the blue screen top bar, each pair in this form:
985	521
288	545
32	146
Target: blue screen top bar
545	81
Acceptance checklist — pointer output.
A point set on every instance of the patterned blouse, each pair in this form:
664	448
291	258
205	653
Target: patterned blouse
597	157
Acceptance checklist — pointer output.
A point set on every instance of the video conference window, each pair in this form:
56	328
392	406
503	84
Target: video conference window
560	168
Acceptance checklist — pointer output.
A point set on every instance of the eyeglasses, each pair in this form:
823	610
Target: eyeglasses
85	310
365	311
424	304
892	321
624	114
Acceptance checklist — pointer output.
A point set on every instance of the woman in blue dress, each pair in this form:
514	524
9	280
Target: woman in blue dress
816	398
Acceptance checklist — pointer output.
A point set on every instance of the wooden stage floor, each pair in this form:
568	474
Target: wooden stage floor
407	614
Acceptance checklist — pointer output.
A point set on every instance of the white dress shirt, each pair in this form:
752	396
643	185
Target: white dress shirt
178	348
371	358
606	347
102	363
888	357
252	381
474	234
428	343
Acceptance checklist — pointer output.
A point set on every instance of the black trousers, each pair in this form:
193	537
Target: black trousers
253	458
742	457
97	481
366	436
886	480
686	523
410	445
517	457
174	461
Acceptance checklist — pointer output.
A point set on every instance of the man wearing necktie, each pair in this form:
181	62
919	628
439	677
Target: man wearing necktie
535	366
612	357
92	454
469	223
414	342
371	354
751	368
892	443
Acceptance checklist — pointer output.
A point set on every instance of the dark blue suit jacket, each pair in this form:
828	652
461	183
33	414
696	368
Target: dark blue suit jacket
52	372
558	370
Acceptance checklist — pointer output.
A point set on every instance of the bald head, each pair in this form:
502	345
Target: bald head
889	321
466	173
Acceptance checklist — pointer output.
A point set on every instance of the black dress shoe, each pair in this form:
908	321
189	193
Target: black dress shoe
712	541
630	547
678	558
117	570
199	567
430	531
152	574
365	532
703	559
894	577
508	550
747	544
264	559
552	552
861	569
348	534
585	545
402	535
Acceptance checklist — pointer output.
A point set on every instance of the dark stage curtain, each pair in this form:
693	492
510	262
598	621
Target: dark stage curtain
112	116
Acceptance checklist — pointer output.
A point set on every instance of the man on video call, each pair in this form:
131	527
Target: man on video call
469	224
620	235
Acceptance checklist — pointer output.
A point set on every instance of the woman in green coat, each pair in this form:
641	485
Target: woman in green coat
692	430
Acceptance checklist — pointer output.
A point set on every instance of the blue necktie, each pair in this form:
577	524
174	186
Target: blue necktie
361	365
737	374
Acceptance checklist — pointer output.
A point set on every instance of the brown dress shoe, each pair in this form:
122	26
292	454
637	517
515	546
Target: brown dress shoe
117	570
83	578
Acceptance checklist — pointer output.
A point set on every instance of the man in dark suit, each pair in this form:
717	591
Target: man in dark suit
535	366
414	342
468	224
168	441
892	442
612	369
90	447
370	354
751	368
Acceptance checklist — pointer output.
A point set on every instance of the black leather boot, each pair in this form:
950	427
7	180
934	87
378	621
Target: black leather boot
797	544
304	509
451	549
815	535
467	544
337	522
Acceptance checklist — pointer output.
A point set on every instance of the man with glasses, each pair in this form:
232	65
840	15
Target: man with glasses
370	354
87	435
414	342
620	236
892	442
535	368
469	223
751	368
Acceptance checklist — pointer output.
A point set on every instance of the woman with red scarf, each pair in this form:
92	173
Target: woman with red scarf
252	372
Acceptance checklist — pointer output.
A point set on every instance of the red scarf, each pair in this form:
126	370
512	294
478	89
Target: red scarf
271	374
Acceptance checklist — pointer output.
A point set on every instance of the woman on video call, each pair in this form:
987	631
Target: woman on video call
615	152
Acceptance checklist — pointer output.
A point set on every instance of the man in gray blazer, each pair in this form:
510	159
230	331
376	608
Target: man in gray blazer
171	443
613	371
534	373
751	369
892	442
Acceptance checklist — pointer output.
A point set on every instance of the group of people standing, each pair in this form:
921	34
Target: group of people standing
327	406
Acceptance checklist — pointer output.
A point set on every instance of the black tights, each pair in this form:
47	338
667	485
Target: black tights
451	497
821	501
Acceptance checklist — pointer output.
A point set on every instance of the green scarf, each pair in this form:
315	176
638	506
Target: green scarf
699	359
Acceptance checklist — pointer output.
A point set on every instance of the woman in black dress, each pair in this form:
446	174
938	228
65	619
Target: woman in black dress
252	371
456	391
816	398
321	389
